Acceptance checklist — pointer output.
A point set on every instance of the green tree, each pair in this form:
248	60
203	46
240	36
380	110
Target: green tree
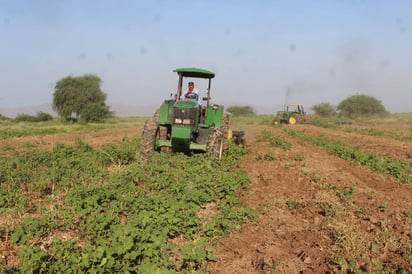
241	110
360	105
73	95
324	109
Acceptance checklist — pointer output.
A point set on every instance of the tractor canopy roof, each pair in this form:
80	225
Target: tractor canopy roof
195	73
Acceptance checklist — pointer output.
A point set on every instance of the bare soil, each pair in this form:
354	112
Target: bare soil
94	138
317	212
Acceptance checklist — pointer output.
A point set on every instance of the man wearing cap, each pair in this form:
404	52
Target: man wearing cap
192	93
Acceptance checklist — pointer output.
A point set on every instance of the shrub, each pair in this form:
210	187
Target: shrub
324	109
357	105
25	118
43	116
241	110
40	117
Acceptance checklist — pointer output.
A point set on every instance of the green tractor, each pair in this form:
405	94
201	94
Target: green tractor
292	114
183	125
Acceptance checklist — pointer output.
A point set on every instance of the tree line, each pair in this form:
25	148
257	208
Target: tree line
81	98
351	107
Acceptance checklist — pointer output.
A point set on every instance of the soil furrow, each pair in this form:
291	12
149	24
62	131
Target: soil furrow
318	213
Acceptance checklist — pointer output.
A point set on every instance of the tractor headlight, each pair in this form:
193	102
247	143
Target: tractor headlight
178	121
187	121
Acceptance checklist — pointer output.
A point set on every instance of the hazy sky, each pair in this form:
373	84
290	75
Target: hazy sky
264	53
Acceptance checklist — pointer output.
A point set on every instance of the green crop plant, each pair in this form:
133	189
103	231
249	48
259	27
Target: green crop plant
122	154
292	204
274	141
280	142
122	220
31	229
329	210
264	136
345	193
266	157
299	157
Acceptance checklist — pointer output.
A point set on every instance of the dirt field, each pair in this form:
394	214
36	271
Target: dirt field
318	213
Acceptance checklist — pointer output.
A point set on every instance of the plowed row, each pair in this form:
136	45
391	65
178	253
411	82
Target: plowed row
320	213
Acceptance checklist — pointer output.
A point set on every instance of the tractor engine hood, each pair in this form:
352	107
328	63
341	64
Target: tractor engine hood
187	103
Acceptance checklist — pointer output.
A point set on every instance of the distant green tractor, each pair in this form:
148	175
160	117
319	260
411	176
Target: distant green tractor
292	114
182	125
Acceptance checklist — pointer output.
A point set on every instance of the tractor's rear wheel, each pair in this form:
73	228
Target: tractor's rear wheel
215	143
225	129
148	141
292	120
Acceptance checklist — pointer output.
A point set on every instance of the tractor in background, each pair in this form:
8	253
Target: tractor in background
291	114
182	125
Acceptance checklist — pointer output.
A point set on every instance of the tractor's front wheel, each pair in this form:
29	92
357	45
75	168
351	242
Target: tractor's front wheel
148	141
215	143
162	134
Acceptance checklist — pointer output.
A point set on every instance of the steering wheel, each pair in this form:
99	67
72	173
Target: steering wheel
192	96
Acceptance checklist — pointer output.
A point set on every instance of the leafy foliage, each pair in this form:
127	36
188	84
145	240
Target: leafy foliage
95	112
80	95
266	157
139	219
25	118
275	141
241	110
43	116
40	117
324	109
358	105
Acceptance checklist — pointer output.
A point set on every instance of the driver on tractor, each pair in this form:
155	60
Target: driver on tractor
192	93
